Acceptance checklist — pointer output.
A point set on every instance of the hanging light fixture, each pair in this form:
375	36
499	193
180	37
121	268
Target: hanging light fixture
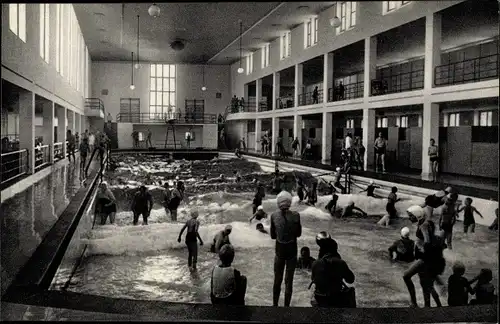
137	65
240	69
154	10
335	22
132	86
203	88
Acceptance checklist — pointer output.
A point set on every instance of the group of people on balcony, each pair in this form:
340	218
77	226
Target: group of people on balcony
237	104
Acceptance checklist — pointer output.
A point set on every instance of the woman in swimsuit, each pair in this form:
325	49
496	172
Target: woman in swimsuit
432	151
380	147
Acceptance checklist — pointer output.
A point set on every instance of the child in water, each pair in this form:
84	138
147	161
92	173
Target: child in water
351	210
192	225
484	289
259	214
458	286
332	204
404	248
447	221
469	210
305	260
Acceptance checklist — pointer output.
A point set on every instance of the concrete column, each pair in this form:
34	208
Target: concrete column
48	127
258	132
61	127
326	138
368	125
83	123
276	89
244	132
71	121
27	127
327	75
370	64
430	129
432	49
275	128
299	75
258	93
297	129
476	118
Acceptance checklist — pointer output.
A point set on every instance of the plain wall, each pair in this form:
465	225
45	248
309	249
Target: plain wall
210	136
116	78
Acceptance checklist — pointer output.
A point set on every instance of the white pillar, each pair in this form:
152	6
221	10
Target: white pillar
326	138
27	127
61	127
258	134
370	65
297	129
258	93
71	121
476	118
430	129
275	128
276	89
48	127
368	125
432	49
244	132
299	74
327	75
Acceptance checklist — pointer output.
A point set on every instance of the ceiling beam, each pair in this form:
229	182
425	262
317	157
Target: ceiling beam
246	31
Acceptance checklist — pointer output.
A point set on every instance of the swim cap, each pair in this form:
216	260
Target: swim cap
405	232
416	211
337	169
322	236
284	200
371	182
221	176
448	189
228	228
440	194
177	178
104	183
260	208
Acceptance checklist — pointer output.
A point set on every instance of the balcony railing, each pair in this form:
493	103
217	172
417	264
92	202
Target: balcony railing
473	70
308	98
42	156
263	106
400	82
94	104
162	118
14	164
285	102
58	151
349	91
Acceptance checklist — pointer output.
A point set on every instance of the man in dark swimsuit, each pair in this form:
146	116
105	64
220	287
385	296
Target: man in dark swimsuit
221	239
142	205
192	225
257	200
380	149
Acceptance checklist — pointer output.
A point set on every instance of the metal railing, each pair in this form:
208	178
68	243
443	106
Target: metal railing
400	82
161	118
285	102
349	91
473	70
263	106
42	156
308	98
94	104
58	151
14	164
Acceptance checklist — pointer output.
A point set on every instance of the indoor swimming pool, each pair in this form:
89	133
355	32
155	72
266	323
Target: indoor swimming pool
147	263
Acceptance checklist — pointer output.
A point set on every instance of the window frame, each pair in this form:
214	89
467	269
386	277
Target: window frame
455	116
163	108
392	6
249	63
265	55
285	45
488	119
44	22
347	12
382	122
15	21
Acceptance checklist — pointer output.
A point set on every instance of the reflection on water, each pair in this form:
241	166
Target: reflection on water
29	215
146	262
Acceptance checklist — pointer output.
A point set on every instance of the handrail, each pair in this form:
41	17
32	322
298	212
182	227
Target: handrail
13	165
152	118
285	102
471	70
58	148
94	103
307	98
351	91
399	82
42	156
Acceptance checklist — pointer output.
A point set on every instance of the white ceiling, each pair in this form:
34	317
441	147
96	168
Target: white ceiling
210	30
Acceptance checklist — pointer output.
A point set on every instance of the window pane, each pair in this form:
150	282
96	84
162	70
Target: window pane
22	21
172	99
165	84
172	71
159	84
159	98
152	84
165	70
42	32
152	98
159	71
165	100
153	70
13	17
172	84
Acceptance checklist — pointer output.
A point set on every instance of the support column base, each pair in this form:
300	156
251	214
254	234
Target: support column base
327	162
427	176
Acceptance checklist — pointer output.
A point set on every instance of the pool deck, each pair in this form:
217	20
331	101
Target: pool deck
29	297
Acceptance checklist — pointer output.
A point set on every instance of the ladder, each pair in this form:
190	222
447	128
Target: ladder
170	126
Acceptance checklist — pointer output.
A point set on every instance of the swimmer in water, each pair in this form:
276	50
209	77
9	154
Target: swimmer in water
192	225
351	210
105	204
312	194
259	227
259	214
237	176
337	176
221	239
403	249
300	189
257	200
370	190
142	205
332	204
305	260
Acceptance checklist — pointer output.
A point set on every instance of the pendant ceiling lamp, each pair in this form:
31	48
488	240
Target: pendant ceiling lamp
240	69
154	10
137	65
203	87
132	86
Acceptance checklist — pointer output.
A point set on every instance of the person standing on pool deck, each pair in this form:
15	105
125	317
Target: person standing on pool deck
285	229
105	204
192	225
175	200
432	151
380	148
142	205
